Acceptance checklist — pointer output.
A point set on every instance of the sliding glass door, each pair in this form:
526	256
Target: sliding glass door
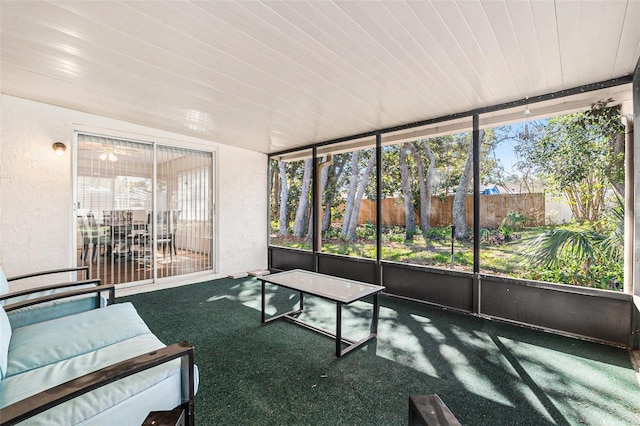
184	211
144	211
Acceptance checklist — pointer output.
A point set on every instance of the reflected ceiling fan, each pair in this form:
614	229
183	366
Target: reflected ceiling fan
108	152
108	155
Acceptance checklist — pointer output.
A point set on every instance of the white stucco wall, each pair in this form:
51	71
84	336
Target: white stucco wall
36	212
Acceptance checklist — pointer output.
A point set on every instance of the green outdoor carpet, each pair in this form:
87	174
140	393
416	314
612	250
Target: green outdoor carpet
487	372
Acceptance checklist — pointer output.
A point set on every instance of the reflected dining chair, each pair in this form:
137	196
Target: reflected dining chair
93	237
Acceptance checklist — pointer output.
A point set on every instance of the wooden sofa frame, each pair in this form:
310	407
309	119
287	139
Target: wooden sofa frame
35	404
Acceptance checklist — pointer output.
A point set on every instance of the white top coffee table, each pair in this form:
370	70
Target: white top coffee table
339	290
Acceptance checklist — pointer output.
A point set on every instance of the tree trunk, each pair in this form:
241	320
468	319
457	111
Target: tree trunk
327	196
274	191
332	182
302	216
460	197
270	183
326	216
425	185
618	142
284	196
410	220
353	186
324	179
310	224
353	223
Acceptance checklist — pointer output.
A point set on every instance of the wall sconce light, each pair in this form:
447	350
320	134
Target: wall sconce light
59	148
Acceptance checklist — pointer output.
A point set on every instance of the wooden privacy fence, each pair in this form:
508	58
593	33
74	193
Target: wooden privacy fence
494	208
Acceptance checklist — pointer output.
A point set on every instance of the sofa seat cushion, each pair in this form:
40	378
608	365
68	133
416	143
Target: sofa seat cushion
129	398
38	345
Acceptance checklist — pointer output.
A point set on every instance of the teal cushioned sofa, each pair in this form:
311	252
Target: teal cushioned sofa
95	367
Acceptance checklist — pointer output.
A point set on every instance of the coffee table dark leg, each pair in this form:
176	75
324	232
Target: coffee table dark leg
376	314
339	329
288	315
263	303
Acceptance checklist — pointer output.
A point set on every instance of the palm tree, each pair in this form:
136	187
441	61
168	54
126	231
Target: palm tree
585	246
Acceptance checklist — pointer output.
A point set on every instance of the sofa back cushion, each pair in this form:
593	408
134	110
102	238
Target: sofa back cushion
4	285
5	338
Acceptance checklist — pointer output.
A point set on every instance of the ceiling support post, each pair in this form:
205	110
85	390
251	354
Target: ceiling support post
629	207
316	207
635	237
378	154
475	140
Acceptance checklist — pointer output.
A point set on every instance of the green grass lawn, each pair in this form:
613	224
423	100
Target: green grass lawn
500	259
498	255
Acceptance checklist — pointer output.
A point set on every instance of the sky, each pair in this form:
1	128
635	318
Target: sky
505	150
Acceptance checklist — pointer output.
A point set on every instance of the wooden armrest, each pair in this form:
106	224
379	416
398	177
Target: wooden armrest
48	287
84	269
64	295
430	410
57	395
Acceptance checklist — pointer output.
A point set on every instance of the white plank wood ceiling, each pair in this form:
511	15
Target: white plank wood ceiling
273	75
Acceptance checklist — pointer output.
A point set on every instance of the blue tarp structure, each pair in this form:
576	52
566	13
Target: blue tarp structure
491	191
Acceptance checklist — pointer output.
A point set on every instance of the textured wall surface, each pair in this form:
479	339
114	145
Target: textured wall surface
36	195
